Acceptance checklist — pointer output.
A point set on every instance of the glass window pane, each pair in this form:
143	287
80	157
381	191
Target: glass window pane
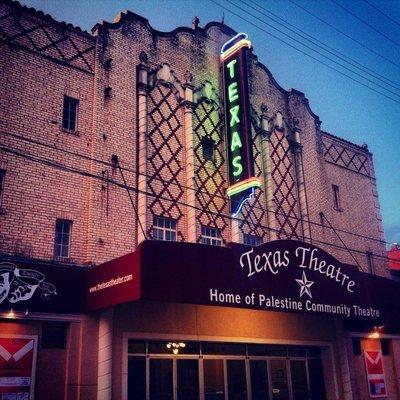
137	346
136	378
188	379
298	374
64	251
236	370
297	351
267	350
159	347
214	380
313	351
259	380
234	349
161	380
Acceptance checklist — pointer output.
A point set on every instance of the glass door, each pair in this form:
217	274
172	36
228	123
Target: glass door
214	384
187	379
236	371
161	379
279	380
259	380
298	374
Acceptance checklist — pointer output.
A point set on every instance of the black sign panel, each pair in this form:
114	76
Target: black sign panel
42	288
285	276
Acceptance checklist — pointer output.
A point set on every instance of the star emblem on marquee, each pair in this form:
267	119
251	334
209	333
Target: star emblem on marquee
305	285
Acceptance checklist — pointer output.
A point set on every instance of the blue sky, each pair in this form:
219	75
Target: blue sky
370	36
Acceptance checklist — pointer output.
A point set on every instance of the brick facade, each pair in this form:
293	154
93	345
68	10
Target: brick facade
147	100
64	175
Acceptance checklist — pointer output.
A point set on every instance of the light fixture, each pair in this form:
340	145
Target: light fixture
175	347
11	314
376	332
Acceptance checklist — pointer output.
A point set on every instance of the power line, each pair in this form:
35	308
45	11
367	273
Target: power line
325	46
345	34
380	11
306	54
316	51
366	23
65	168
116	161
110	164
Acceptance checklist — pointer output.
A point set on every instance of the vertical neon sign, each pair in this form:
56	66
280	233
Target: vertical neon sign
237	122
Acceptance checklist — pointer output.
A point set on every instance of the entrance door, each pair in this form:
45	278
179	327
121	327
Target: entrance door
259	380
161	379
187	380
279	380
298	374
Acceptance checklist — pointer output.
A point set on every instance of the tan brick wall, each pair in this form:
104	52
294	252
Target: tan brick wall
36	193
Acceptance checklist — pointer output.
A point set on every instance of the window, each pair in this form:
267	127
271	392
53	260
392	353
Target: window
385	346
62	238
251	240
356	346
164	229
336	198
370	262
70	114
211	236
208	148
54	335
2	179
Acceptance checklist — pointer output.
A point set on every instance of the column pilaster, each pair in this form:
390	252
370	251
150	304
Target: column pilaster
189	154
265	132
142	87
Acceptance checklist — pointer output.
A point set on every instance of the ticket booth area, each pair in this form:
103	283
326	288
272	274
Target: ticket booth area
223	371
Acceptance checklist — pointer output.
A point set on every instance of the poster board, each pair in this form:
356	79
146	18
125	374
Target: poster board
375	373
17	367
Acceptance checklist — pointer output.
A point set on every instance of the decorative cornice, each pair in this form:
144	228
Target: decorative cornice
45	17
363	148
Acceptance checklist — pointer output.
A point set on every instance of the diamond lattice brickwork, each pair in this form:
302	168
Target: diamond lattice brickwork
345	157
165	155
210	175
254	212
284	188
40	36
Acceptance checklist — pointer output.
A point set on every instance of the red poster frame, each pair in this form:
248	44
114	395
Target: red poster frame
375	372
34	339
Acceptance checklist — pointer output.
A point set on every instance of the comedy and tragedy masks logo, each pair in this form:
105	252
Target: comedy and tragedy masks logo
20	284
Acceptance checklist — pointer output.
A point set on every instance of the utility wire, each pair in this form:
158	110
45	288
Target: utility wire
301	43
302	52
109	164
343	243
325	47
345	34
366	23
380	11
65	168
116	160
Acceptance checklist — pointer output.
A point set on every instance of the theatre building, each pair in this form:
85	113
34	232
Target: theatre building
176	225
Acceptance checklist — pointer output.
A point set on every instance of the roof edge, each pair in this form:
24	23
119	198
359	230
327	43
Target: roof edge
363	148
47	17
